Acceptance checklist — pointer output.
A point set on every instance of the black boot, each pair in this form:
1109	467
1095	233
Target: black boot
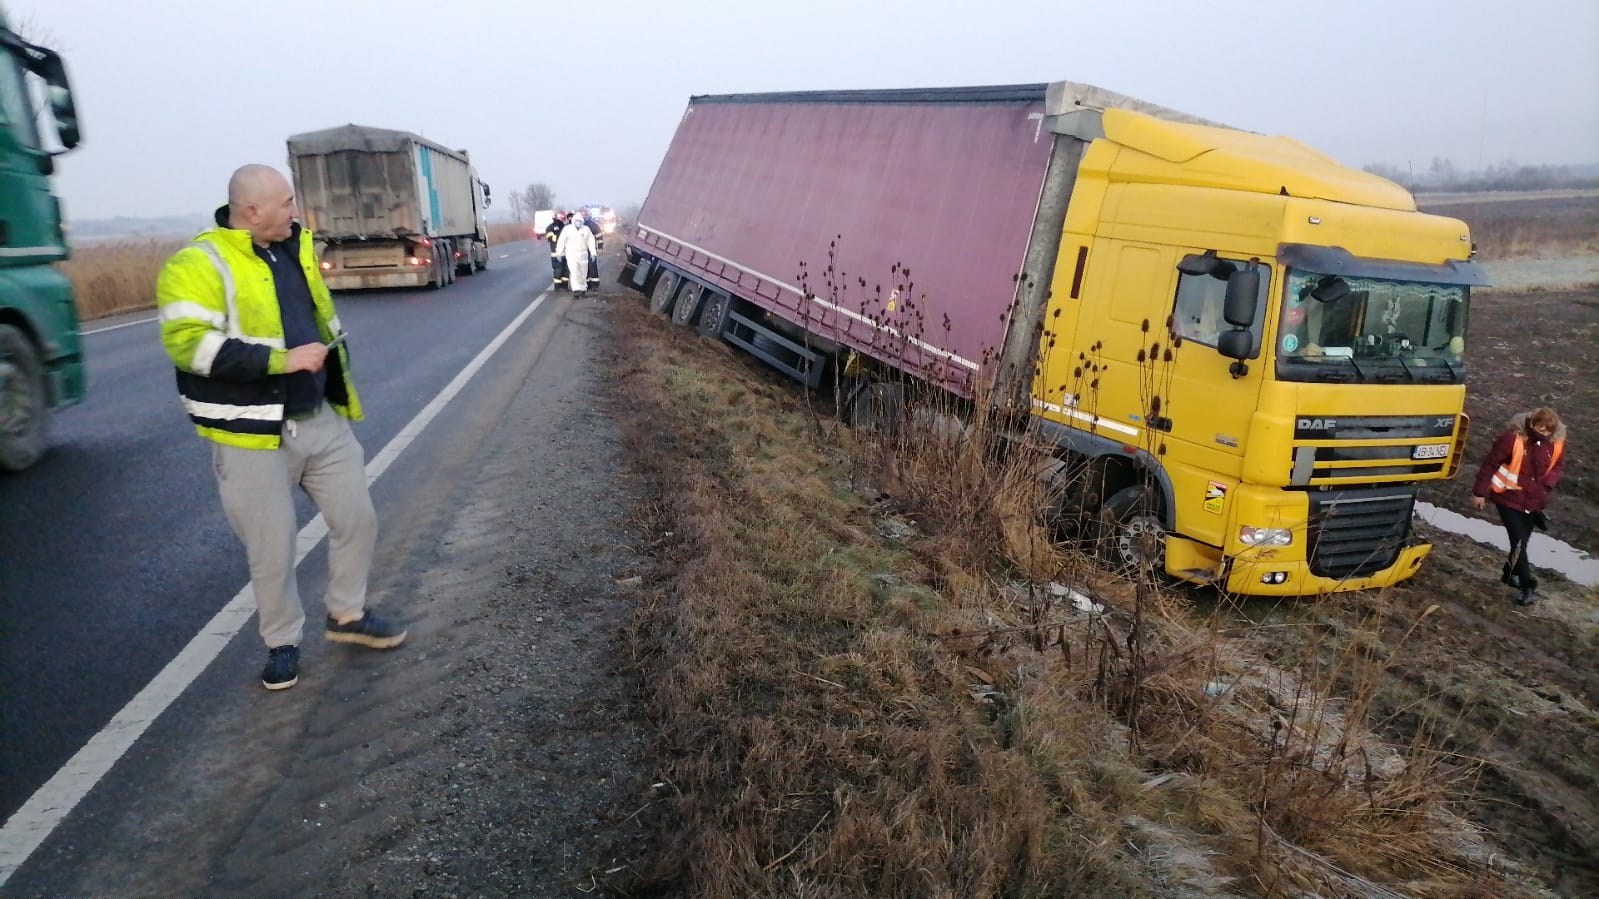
1509	579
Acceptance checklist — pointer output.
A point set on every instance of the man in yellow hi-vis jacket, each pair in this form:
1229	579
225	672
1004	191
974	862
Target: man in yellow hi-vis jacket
264	375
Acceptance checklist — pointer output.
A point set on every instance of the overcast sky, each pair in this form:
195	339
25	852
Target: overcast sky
175	94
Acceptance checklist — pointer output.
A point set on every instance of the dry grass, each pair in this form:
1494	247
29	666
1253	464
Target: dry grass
117	276
864	688
1534	226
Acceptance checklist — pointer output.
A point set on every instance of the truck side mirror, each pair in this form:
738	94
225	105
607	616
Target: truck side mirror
1207	263
1243	290
1236	344
1330	289
48	65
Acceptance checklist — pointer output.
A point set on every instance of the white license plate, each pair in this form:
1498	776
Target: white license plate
1431	451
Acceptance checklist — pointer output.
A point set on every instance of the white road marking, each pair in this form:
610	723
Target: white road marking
142	321
51	803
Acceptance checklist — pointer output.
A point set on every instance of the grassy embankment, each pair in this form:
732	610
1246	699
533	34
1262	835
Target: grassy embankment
865	684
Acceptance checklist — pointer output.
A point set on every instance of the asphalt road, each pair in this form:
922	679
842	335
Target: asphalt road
114	551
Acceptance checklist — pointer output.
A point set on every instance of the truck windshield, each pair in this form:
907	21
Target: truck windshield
1346	328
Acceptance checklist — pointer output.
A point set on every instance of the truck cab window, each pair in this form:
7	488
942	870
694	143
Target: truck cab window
16	112
1197	312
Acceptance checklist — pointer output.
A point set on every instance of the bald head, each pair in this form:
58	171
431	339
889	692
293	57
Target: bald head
261	201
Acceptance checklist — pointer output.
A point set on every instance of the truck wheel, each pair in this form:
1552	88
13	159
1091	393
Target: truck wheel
714	314
686	311
877	407
665	289
24	403
1131	533
438	282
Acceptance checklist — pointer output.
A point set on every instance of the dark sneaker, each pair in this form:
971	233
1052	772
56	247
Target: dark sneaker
1526	598
368	630
282	669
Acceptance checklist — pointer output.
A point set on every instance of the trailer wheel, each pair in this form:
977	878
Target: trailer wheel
24	402
686	311
1132	534
665	290
438	282
718	308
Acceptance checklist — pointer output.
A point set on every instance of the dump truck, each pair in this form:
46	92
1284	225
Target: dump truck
389	208
41	354
1242	356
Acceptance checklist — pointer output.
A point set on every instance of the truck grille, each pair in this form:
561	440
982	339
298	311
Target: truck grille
1355	533
1334	449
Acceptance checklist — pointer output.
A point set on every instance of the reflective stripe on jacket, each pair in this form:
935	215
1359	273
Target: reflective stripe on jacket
222	328
1508	476
1521	470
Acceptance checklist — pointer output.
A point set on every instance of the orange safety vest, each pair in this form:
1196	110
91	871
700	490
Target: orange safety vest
1508	476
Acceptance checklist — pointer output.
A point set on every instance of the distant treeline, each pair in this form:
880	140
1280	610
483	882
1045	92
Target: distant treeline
1442	176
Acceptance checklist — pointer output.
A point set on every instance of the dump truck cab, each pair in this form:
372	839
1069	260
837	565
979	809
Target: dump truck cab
41	360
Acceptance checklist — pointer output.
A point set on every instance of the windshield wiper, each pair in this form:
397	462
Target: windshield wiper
1359	372
1401	361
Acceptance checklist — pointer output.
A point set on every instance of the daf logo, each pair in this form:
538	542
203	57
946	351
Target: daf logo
1318	424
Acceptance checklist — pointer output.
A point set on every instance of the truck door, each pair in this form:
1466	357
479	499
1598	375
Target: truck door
25	206
1206	408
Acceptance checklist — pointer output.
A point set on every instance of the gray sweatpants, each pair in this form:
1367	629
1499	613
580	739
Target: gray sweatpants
321	455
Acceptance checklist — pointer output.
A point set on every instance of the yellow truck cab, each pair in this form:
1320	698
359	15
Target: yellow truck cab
1283	438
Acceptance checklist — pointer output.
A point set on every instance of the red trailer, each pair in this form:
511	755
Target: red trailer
795	224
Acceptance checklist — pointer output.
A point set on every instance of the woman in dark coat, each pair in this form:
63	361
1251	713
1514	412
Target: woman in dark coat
1519	475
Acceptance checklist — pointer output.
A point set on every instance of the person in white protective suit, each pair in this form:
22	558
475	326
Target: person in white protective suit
576	244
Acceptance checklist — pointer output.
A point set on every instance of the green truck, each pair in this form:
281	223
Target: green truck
41	356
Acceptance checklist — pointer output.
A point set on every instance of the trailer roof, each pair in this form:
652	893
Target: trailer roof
1057	97
1002	93
363	137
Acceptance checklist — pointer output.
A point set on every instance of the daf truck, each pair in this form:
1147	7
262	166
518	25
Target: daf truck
41	355
1244	356
389	208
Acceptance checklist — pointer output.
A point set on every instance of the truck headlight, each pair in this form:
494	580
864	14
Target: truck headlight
1265	536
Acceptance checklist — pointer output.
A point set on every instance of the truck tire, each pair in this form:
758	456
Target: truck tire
664	292
686	311
1132	534
714	313
24	402
877	407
